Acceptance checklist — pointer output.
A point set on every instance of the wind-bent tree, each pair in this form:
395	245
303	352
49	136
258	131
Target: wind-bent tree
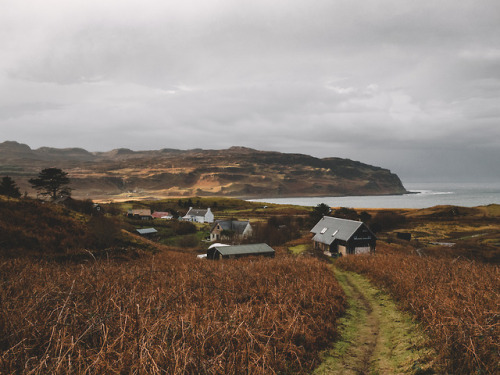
52	182
9	188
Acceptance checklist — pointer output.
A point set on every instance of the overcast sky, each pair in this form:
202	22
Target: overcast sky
413	86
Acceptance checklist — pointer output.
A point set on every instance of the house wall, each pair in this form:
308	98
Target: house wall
248	231
342	250
216	233
321	246
209	216
236	256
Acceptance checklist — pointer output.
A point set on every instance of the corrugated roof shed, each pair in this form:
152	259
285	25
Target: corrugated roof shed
160	214
147	231
259	248
328	229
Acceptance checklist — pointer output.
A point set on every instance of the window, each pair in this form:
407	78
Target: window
334	233
323	230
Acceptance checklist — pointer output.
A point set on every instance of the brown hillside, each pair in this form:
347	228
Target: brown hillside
236	172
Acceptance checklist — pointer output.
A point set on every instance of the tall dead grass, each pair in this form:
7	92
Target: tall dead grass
456	301
166	314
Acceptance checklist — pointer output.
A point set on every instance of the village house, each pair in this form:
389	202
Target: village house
142	214
336	236
162	215
220	251
230	229
199	215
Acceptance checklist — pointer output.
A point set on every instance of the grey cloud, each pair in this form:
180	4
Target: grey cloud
328	78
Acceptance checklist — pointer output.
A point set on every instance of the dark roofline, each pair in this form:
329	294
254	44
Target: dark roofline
260	248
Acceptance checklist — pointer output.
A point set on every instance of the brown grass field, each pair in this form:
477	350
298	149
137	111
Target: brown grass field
167	314
456	301
81	293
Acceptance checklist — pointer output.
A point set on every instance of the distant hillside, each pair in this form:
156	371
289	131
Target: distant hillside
236	172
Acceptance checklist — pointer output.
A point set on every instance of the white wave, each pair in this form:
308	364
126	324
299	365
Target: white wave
431	192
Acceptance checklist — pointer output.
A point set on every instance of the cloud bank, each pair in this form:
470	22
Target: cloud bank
410	86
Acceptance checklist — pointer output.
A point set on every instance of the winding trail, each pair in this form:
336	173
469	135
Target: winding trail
376	338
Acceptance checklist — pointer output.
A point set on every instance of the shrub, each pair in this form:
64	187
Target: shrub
188	241
387	220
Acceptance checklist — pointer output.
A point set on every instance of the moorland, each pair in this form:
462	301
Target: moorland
81	292
123	174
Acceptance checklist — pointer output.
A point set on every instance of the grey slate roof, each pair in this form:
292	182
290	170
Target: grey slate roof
336	228
196	212
147	231
257	248
237	226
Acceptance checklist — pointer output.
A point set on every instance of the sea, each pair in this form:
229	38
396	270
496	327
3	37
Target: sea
422	195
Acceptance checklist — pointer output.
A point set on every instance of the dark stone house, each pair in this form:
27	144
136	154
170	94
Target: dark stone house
336	236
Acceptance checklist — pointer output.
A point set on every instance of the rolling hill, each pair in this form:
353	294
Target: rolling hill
235	172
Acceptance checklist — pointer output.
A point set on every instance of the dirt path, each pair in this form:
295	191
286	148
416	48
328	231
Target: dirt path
376	337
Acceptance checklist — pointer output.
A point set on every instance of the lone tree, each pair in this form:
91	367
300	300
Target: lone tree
9	188
51	182
319	211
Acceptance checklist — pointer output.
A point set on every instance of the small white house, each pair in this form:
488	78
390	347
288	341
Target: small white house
199	216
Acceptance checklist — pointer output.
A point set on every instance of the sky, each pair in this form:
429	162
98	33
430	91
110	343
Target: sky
412	86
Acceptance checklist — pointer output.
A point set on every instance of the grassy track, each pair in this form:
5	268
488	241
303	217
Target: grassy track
376	338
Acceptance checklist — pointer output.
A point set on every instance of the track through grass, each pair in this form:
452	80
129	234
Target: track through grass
376	338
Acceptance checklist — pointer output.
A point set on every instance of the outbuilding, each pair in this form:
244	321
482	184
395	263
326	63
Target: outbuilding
162	215
147	231
142	214
218	251
336	236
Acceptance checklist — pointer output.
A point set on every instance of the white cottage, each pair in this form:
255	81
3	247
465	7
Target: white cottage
199	216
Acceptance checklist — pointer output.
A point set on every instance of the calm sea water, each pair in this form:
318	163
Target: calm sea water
424	195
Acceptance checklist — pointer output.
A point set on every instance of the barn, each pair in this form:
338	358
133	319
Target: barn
218	251
336	236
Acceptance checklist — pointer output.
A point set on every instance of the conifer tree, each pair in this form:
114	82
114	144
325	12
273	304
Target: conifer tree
9	188
52	182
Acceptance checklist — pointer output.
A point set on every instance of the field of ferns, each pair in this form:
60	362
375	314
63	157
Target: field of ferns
166	314
456	302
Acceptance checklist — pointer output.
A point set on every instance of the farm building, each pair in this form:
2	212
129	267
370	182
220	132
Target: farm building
342	237
218	251
230	228
143	214
147	231
162	215
199	216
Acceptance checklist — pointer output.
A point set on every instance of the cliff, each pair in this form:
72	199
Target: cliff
237	172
